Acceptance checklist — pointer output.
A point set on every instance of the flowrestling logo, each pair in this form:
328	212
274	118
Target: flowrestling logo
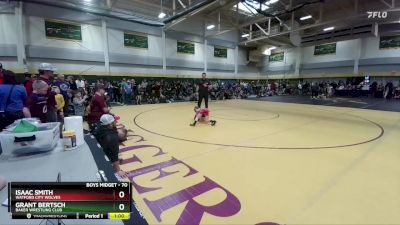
377	14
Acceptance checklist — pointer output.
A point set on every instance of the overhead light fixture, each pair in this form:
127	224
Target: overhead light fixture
329	28
87	0
268	50
245	35
271	2
161	15
210	27
256	5
306	17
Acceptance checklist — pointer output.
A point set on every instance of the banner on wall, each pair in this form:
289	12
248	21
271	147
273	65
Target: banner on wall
136	40
325	49
220	52
185	47
389	42
277	57
63	30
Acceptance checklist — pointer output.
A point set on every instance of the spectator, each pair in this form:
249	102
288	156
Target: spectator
72	84
140	94
79	104
38	101
156	90
86	87
98	107
107	136
117	93
64	91
60	102
46	73
1	74
28	77
110	91
389	90
300	88
314	90
13	99
80	84
134	89
127	89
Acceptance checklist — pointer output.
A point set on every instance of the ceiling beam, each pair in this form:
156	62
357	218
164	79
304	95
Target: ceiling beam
227	5
354	16
189	12
257	20
144	2
183	5
276	42
219	33
262	29
282	23
388	4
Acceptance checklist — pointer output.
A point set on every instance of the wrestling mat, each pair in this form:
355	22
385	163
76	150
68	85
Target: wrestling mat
263	163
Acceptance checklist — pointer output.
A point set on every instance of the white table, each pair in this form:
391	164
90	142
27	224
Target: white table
76	165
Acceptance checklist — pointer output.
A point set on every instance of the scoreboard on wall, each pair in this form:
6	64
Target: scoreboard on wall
69	200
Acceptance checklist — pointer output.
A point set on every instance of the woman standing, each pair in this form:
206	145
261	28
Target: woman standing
13	99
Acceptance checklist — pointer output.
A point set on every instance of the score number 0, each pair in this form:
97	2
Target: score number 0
121	194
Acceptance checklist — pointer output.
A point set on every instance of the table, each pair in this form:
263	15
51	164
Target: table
75	165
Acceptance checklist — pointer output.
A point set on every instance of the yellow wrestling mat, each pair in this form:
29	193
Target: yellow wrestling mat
263	163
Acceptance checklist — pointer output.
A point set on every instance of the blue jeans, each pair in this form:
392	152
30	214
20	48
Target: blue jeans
127	98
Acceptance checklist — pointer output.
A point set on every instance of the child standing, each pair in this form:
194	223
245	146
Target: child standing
79	104
59	101
38	100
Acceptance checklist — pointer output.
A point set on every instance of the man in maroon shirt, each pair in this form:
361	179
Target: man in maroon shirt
98	107
46	73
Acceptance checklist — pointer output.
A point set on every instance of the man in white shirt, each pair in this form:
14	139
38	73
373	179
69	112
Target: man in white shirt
80	84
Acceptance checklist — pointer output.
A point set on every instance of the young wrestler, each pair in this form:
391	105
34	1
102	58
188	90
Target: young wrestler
202	115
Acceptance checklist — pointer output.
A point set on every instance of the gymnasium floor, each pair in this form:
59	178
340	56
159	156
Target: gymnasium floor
264	162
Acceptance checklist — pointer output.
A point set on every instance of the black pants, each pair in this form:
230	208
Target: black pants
201	96
314	93
7	118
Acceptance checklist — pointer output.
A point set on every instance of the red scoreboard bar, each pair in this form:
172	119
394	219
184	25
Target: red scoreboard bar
69	200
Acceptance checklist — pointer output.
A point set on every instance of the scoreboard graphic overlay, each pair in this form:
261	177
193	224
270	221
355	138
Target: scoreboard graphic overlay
70	200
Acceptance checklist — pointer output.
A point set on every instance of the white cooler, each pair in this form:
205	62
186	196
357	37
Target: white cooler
43	140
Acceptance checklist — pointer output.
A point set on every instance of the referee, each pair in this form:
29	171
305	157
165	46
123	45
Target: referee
203	90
